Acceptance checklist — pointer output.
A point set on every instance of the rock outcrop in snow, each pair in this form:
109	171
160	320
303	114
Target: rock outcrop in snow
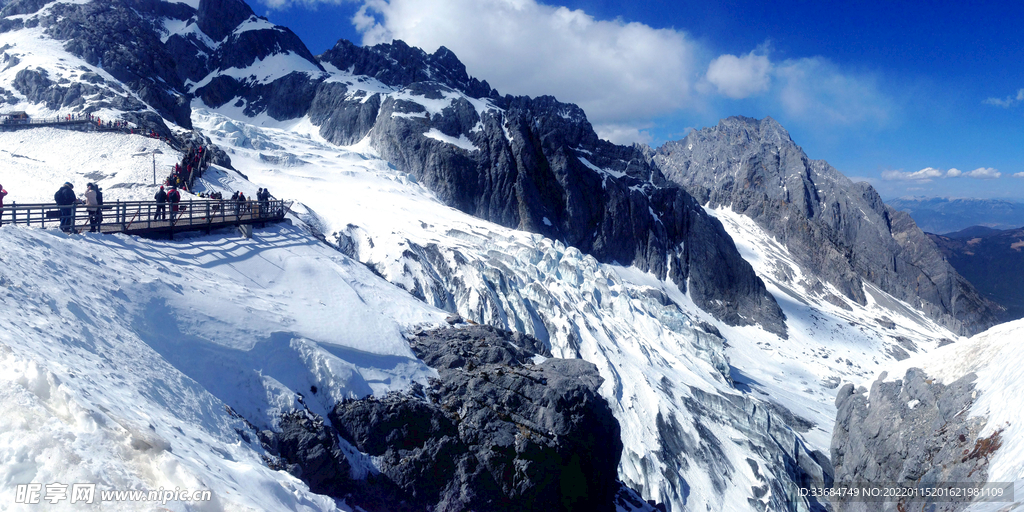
912	431
495	431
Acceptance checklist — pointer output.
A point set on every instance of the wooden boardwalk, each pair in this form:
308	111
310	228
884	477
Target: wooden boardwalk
147	218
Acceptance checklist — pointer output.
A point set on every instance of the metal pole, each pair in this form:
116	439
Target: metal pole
154	168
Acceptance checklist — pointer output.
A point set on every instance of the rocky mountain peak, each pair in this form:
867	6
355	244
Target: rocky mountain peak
841	231
397	64
218	18
746	131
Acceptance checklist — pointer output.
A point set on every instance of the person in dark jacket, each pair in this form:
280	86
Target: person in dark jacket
2	194
65	197
160	198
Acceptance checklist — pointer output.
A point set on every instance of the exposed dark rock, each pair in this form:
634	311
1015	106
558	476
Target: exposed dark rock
37	87
528	173
120	36
285	98
492	433
311	449
218	18
124	38
840	230
913	431
343	120
16	7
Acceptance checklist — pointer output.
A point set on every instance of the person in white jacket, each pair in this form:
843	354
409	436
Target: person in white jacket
92	203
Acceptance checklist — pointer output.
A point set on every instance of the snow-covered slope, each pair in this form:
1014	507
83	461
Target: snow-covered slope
121	355
829	343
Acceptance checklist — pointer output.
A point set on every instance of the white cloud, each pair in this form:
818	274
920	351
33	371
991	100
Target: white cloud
929	173
281	5
816	89
1019	175
618	72
623	134
984	173
622	74
1008	101
924	175
740	77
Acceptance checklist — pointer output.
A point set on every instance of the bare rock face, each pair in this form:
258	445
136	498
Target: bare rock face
840	230
913	431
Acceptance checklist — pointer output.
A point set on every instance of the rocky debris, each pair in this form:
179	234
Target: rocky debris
494	431
312	453
912	431
841	231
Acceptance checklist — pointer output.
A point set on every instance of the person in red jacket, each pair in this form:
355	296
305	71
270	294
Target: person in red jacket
2	194
173	197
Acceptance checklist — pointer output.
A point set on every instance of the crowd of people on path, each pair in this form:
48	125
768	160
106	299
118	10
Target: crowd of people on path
191	167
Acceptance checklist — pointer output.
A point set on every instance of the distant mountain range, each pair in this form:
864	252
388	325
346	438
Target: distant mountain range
991	260
946	215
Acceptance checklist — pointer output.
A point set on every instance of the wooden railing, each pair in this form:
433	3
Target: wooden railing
138	217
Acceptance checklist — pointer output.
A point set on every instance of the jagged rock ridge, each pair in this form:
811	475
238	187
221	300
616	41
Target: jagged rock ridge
843	231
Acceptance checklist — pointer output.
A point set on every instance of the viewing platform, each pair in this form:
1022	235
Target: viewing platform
144	218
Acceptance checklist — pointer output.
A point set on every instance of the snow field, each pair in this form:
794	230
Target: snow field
120	355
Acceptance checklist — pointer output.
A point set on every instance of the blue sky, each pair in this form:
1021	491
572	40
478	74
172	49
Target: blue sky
918	100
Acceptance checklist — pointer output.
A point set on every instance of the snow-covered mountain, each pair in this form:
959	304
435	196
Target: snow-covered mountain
506	210
841	231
